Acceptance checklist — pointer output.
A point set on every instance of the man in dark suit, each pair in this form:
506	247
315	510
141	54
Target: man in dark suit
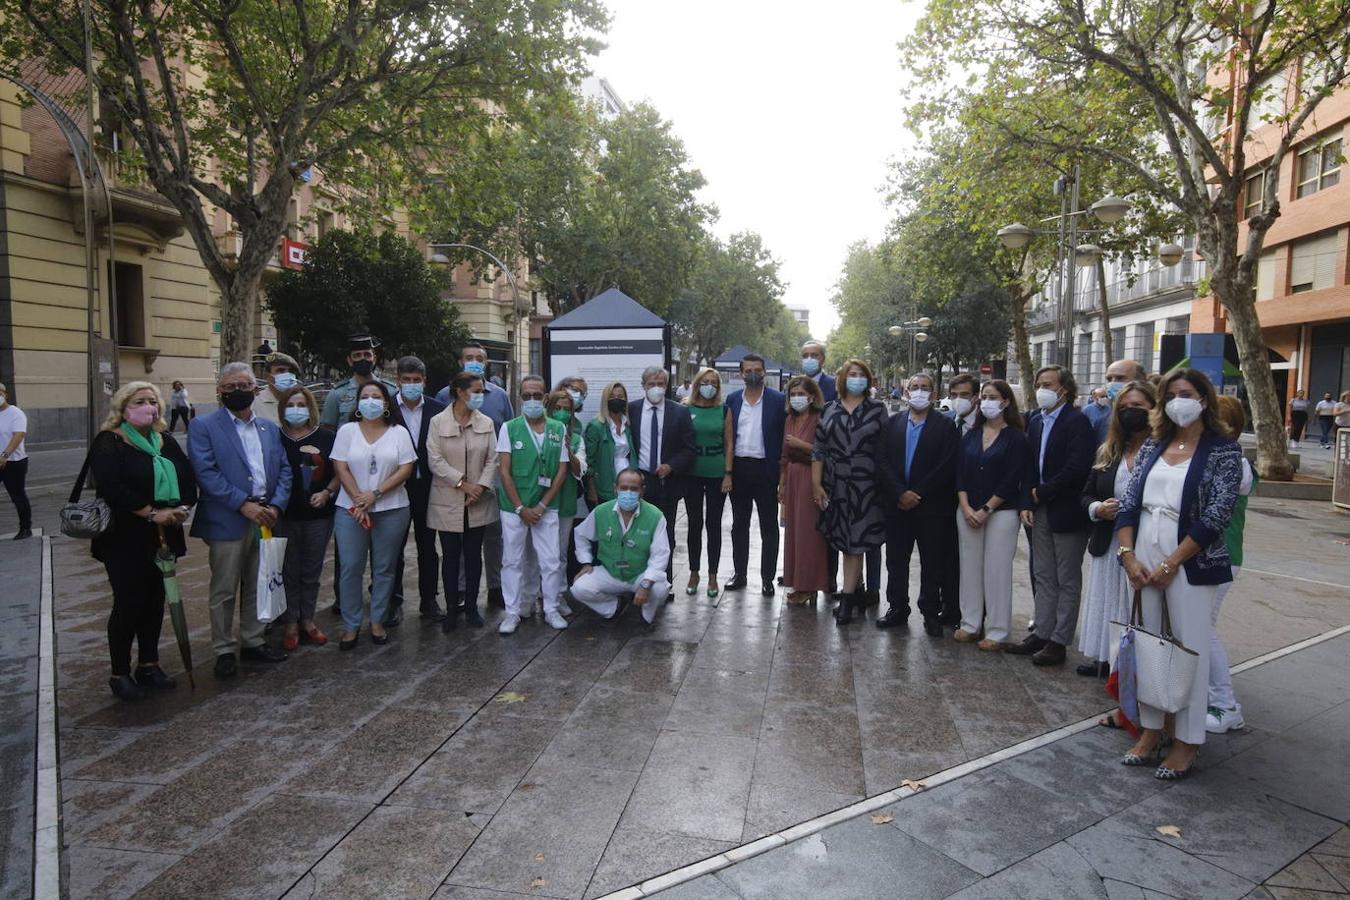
813	364
663	434
758	415
418	411
916	474
1063	445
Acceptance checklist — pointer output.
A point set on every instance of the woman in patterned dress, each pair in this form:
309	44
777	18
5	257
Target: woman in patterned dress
843	476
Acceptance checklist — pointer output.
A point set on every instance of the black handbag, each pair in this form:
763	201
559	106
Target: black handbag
85	520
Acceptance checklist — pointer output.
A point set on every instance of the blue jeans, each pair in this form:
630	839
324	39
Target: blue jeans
382	543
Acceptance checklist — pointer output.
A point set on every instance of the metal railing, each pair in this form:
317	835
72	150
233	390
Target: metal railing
1154	280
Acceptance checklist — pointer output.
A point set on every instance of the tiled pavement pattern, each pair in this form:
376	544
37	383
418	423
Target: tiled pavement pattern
551	765
1264	817
21	575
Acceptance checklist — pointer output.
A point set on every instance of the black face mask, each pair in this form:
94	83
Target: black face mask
754	379
236	401
363	367
617	405
1133	419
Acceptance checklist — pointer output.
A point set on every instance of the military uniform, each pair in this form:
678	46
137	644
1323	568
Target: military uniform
341	400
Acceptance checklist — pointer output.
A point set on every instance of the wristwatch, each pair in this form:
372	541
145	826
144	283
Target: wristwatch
1122	550
378	494
645	584
985	508
520	509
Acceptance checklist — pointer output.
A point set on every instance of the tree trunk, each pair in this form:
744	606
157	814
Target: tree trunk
1108	351
1017	302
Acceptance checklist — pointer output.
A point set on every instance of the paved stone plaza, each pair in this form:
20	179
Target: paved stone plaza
573	764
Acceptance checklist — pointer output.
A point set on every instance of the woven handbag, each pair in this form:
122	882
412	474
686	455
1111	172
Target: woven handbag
1165	668
84	520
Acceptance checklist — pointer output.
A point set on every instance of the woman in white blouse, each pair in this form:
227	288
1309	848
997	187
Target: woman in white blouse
373	458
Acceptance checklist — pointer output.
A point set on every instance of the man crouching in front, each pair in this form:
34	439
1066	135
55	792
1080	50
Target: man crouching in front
623	550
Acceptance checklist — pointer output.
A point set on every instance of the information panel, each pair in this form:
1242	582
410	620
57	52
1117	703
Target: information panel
604	355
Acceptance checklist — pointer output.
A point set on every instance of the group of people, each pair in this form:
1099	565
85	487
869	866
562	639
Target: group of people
1151	488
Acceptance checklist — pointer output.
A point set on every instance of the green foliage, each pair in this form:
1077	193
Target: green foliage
734	296
355	281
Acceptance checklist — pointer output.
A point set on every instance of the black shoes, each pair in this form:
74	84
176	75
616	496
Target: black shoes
769	589
226	666
264	654
1094	670
1026	647
26	533
932	626
495	599
123	688
431	611
737	583
472	617
871	598
843	613
895	618
152	677
379	639
347	643
1051	654
393	618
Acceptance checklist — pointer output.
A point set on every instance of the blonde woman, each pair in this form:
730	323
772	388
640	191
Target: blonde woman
609	444
708	483
147	482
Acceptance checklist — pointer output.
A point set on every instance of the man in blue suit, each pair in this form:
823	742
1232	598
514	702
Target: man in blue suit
813	364
1063	446
244	483
758	415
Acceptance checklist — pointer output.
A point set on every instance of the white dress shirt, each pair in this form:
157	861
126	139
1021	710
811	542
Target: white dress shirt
1048	420
584	539
412	417
750	428
644	437
253	452
620	435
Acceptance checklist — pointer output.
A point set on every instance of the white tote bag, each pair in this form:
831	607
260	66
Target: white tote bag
271	588
1165	666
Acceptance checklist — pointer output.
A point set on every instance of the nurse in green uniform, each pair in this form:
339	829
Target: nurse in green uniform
708	481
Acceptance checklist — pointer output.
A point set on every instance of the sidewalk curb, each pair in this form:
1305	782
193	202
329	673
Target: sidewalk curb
769	842
47	826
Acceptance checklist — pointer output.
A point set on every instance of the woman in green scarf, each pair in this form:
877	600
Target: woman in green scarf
145	478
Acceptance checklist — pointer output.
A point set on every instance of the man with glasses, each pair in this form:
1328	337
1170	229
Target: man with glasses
663	435
282	374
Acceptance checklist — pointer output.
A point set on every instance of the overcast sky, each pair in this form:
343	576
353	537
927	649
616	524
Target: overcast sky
791	111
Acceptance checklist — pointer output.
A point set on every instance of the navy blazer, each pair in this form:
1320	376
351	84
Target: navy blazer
827	387
1068	459
222	471
997	472
677	435
933	473
773	406
421	480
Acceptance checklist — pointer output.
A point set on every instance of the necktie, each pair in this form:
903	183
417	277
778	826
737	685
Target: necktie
654	451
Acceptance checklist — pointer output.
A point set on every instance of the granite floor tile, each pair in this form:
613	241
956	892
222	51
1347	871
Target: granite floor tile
1337	867
1087	766
85	805
705	887
1153	865
885	769
719	701
856	859
772	808
1054	873
1336	845
1306	766
96	873
635	854
262	853
1306	873
695	785
459	892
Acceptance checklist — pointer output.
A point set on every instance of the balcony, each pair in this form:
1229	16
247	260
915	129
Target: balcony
1151	283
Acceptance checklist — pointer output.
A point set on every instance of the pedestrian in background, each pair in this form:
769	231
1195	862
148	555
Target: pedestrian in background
307	523
1326	418
147	482
1298	417
1171	527
844	479
708	483
609	444
1107	597
180	406
806	567
462	455
14	461
374	458
991	463
243	484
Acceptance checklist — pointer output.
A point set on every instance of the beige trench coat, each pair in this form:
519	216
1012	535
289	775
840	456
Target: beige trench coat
454	453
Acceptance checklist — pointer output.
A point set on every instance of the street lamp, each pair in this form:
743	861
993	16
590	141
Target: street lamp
521	312
914	329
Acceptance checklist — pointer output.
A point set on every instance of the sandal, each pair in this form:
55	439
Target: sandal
1109	721
312	635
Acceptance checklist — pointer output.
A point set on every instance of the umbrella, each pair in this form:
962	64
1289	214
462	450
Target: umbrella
168	568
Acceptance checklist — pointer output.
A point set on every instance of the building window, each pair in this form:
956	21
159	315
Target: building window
536	355
1117	344
1319	167
129	280
1143	345
1312	266
1253	194
1265	276
327	221
1179	325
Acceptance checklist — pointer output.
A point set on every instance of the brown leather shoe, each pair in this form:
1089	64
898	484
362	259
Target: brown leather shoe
989	646
961	636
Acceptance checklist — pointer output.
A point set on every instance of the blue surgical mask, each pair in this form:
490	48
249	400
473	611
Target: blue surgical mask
370	407
284	381
627	500
296	415
799	402
857	384
411	392
1113	389
532	409
810	365
578	399
707	391
474	367
475	401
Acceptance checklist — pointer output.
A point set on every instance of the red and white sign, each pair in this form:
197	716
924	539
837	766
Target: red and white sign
986	369
293	254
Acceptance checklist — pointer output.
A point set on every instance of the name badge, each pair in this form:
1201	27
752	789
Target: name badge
545	481
520	445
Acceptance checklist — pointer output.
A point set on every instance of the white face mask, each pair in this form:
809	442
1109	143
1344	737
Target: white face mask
918	400
991	409
1046	398
1183	410
799	402
962	406
655	395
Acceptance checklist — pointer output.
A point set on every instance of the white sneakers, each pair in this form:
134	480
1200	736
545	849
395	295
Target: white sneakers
562	605
1219	720
510	622
556	620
